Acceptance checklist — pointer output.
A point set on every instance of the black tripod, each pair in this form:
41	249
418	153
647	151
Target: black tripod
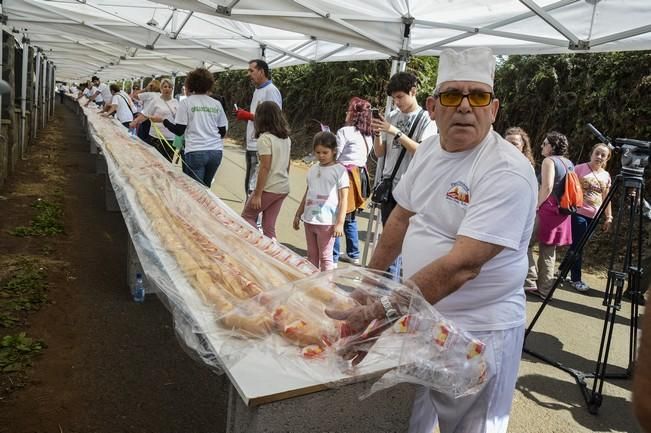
635	156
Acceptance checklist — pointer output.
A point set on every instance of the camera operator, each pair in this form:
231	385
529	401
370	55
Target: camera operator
396	140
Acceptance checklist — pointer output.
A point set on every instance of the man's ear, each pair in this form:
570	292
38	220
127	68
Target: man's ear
495	106
430	103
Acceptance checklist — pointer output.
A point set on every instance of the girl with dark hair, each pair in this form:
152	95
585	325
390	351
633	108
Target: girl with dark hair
553	228
354	143
323	207
272	185
204	123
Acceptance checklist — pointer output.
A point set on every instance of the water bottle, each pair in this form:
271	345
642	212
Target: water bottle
139	290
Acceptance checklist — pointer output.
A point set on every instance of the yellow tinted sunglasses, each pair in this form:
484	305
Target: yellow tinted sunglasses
454	98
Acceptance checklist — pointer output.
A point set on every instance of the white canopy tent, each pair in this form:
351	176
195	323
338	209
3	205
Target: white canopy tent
120	39
116	40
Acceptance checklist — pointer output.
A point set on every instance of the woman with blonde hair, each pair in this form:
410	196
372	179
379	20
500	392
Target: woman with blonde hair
164	107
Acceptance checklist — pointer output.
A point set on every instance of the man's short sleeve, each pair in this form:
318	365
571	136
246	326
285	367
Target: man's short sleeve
264	145
501	207
276	97
115	100
182	113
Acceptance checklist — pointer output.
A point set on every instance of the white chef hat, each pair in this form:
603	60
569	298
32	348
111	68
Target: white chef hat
472	64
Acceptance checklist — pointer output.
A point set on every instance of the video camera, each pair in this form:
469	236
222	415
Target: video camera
634	153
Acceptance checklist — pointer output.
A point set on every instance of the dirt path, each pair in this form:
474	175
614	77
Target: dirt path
111	365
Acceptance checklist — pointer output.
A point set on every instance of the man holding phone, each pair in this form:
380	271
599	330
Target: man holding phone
264	91
397	138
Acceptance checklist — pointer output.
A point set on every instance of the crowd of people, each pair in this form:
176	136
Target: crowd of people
444	178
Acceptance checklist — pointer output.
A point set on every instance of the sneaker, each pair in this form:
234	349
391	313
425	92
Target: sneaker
351	260
580	286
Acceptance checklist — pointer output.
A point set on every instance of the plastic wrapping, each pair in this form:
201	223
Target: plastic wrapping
240	299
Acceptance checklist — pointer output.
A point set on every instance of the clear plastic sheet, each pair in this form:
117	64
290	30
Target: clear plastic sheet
236	295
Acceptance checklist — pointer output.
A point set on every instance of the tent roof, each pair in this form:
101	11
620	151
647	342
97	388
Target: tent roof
119	39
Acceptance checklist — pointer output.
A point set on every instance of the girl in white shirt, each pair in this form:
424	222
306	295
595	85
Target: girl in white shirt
323	208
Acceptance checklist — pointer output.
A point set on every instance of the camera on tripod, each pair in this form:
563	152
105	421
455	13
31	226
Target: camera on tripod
634	153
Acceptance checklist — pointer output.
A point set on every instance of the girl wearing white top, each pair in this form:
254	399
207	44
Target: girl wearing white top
160	106
121	105
323	208
272	185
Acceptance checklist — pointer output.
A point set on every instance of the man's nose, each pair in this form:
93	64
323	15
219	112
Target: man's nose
464	106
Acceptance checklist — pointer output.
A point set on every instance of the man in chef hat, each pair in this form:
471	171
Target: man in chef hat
466	208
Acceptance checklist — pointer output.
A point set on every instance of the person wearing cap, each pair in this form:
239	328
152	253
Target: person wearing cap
265	90
464	215
101	94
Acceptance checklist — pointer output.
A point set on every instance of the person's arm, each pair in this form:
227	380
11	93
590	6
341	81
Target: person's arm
92	97
390	243
338	229
642	377
111	109
299	212
175	128
137	121
406	142
263	173
609	211
546	180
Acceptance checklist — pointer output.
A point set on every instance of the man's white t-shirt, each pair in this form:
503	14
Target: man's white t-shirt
322	199
352	147
98	98
105	91
166	110
279	149
487	193
403	121
267	92
203	117
88	92
123	112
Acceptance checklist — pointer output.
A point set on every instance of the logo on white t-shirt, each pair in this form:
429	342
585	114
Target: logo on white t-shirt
458	193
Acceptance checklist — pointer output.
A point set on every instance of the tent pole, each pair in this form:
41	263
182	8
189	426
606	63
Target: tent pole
23	99
45	102
36	110
374	227
2	65
52	94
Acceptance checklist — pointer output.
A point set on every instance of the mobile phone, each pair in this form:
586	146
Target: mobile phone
235	105
375	112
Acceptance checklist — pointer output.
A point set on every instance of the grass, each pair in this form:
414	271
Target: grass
17	352
48	221
24	289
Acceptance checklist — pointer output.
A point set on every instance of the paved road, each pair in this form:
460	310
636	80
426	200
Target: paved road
547	399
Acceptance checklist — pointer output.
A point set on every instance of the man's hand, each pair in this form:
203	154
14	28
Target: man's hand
255	201
338	230
241	114
297	222
368	321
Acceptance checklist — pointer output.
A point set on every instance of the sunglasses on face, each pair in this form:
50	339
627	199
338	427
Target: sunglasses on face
453	98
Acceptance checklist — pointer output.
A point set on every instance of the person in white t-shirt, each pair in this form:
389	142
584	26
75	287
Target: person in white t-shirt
354	143
265	90
272	185
203	122
323	208
464	215
102	94
159	105
87	89
121	105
